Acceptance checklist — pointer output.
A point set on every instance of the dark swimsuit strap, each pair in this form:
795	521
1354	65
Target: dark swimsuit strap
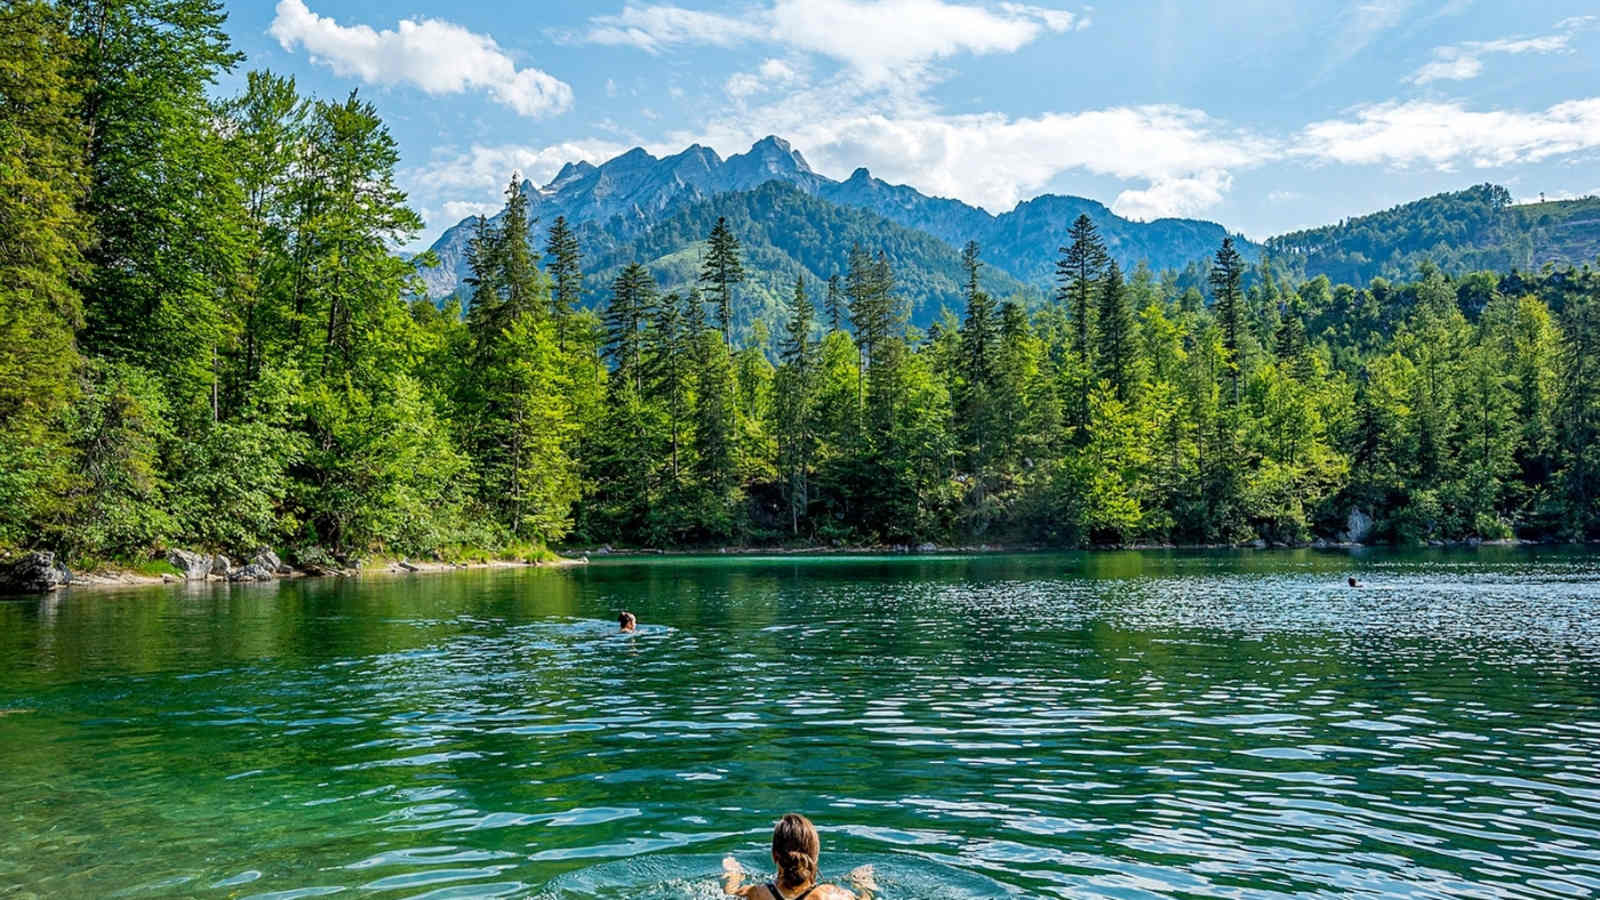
773	887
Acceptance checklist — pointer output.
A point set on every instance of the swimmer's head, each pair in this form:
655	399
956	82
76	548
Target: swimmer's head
795	848
627	621
1352	581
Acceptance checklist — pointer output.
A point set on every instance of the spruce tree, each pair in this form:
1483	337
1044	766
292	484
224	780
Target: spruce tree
42	180
633	299
565	265
794	406
979	334
721	273
1226	278
835	308
1078	273
1116	344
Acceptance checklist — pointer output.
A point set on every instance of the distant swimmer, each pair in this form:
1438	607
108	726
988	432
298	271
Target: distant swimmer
627	621
795	848
1354	582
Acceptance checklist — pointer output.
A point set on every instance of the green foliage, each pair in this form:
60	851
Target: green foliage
253	371
42	179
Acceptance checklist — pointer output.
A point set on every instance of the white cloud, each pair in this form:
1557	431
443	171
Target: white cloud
1446	135
1174	196
657	28
484	170
875	37
771	75
993	160
438	57
1463	62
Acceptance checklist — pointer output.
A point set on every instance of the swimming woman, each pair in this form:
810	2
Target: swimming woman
795	848
627	622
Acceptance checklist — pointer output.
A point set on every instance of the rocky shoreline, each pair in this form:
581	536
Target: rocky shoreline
41	572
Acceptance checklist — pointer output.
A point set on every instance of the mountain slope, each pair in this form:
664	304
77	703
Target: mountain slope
786	233
1462	231
627	195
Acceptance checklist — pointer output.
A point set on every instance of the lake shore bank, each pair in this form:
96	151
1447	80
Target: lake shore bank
115	576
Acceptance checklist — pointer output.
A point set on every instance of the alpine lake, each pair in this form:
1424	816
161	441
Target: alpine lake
1238	724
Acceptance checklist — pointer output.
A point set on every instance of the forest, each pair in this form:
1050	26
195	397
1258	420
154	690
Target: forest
208	340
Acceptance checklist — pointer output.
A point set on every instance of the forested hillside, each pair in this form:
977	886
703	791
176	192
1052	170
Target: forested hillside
206	340
787	234
1466	231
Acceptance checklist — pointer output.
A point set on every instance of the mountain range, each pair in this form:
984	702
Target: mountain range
793	222
627	199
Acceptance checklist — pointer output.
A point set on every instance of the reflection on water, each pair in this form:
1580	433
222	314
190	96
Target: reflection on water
1118	724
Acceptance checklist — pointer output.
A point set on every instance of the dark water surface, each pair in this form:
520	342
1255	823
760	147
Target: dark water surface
1110	725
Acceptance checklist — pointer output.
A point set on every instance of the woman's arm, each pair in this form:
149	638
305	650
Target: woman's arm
732	878
861	879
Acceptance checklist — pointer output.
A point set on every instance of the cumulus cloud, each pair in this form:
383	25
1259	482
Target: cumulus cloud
771	75
438	57
1463	62
1174	196
1447	135
483	171
872	36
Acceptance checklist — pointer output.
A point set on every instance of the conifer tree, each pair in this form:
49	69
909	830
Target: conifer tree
721	273
42	181
1226	278
834	308
565	265
1116	345
633	300
795	386
1078	273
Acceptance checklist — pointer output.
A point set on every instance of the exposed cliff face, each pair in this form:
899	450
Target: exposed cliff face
626	197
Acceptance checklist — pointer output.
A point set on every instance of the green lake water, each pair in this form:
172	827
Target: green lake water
1124	725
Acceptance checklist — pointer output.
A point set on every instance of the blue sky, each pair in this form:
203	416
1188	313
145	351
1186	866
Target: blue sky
1265	116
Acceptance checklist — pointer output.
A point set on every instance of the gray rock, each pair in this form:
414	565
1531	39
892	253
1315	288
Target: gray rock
252	572
408	565
35	572
927	547
1258	544
1357	527
220	565
192	566
267	560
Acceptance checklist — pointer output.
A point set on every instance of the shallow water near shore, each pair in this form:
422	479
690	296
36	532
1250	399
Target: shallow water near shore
1117	724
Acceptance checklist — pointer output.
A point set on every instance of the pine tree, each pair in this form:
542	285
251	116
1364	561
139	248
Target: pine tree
1082	265
721	273
795	385
834	308
1078	272
978	339
1116	344
1226	278
566	273
670	353
633	300
42	179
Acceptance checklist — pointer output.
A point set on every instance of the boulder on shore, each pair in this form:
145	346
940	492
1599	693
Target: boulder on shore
1357	527
927	547
220	565
36	572
192	566
268	560
252	572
